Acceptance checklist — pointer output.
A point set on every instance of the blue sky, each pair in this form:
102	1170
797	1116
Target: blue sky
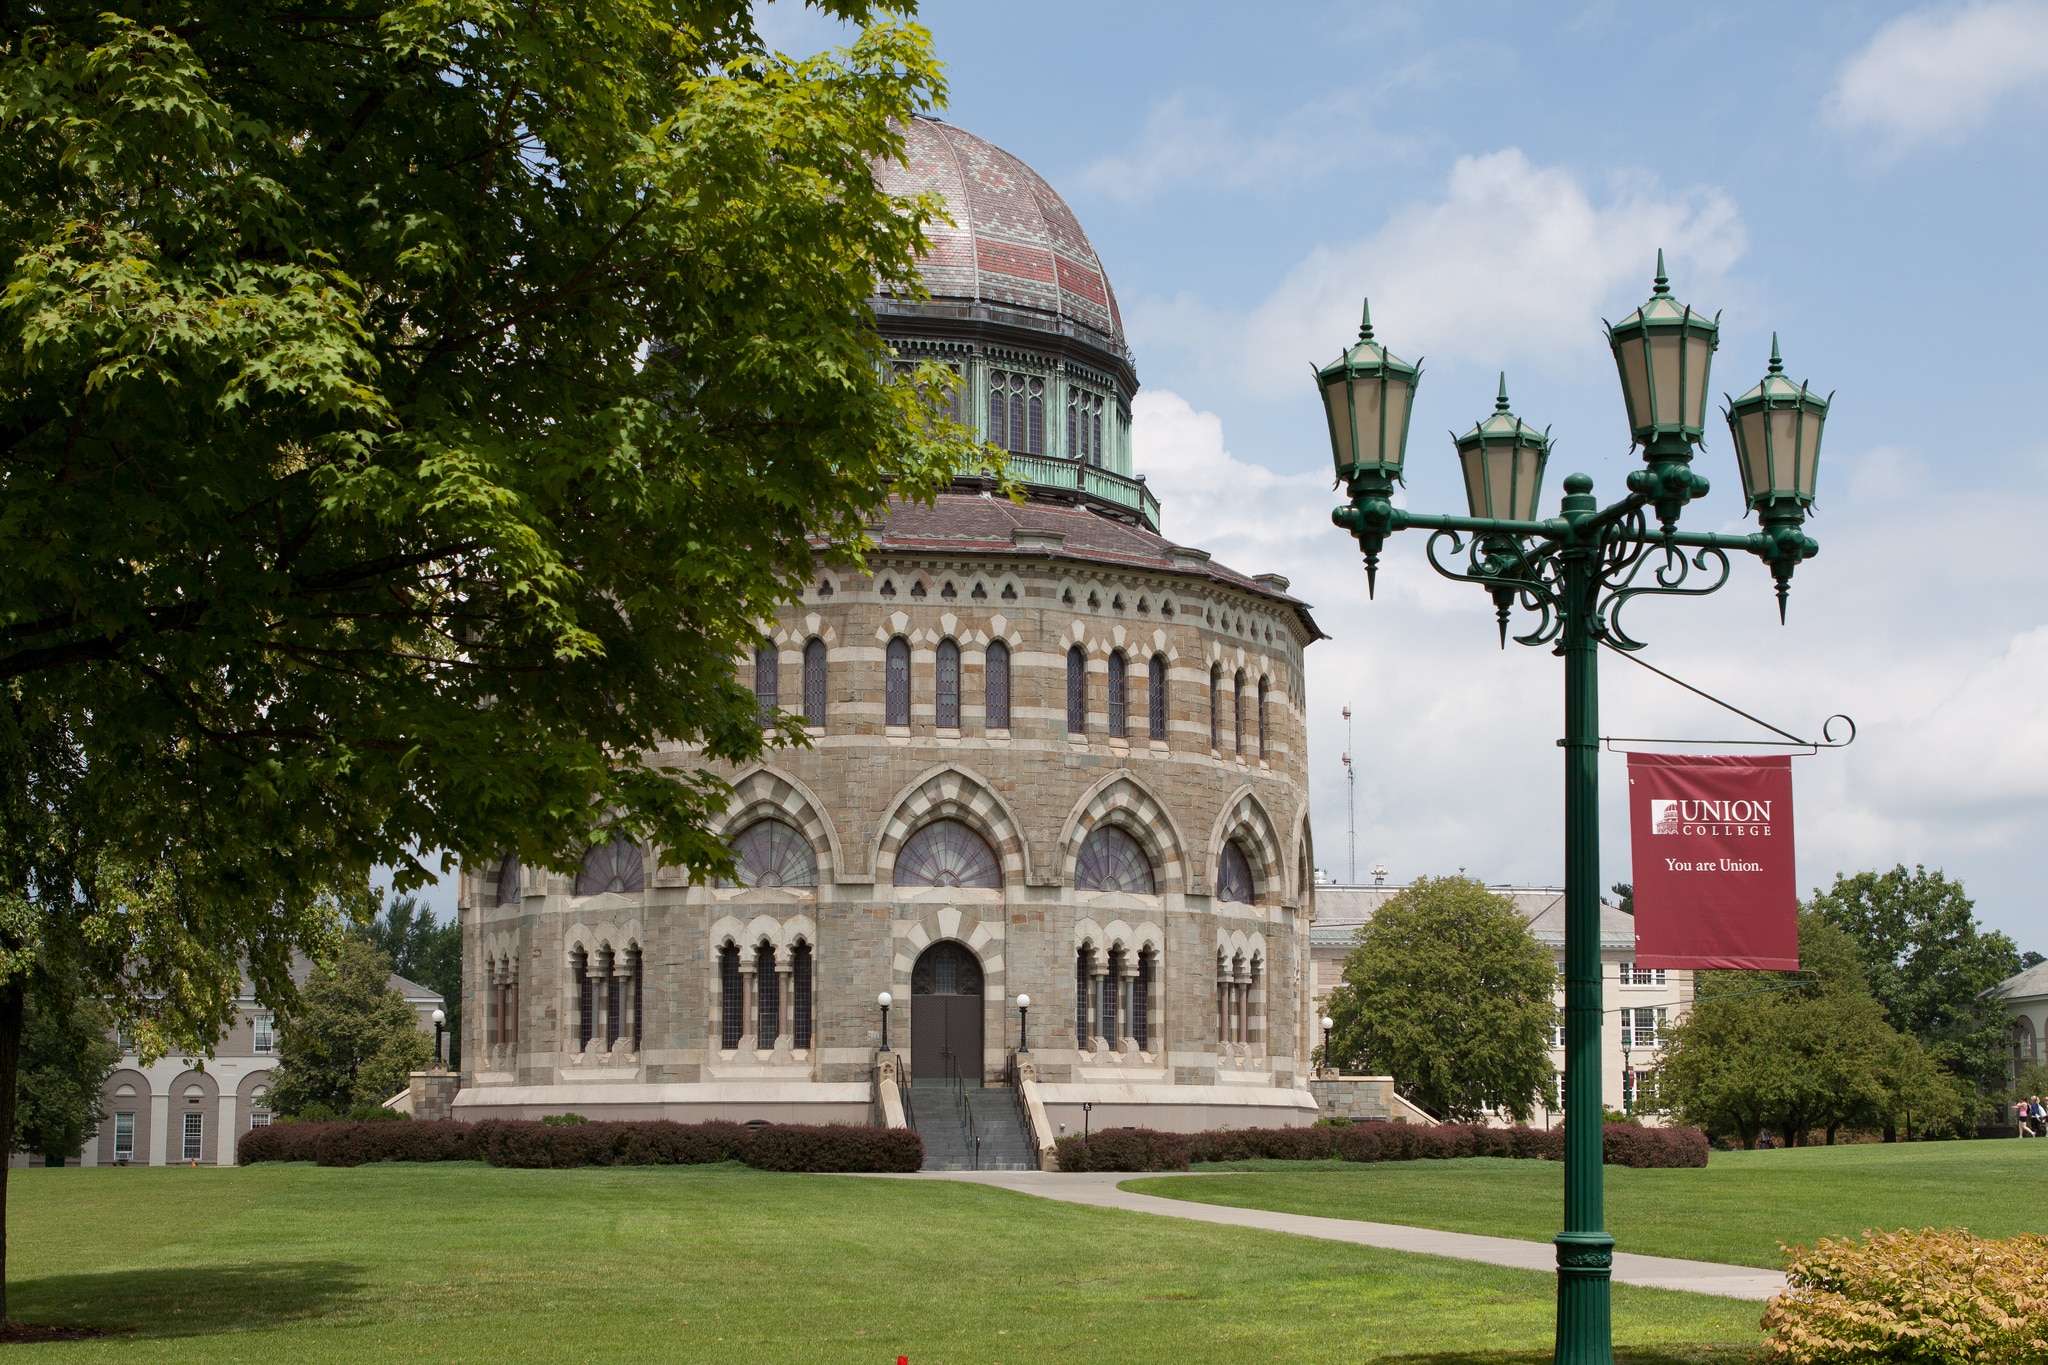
1866	180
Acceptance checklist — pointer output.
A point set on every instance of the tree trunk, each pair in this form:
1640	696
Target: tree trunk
11	1000
1831	1133
1891	1133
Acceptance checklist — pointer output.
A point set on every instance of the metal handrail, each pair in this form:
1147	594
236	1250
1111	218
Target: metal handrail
966	1110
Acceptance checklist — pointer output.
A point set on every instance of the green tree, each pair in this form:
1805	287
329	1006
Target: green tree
1762	1050
423	949
1918	1097
1928	962
407	412
351	1041
1449	992
67	1053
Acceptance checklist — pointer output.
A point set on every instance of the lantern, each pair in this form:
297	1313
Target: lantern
1776	427
1663	351
1368	395
1503	459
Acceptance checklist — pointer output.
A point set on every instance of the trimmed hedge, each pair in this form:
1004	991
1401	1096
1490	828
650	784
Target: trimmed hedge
533	1145
1123	1149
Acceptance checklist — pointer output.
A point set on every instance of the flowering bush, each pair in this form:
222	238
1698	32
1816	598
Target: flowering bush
1943	1298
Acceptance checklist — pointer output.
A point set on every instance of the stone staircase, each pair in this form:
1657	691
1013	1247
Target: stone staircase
934	1112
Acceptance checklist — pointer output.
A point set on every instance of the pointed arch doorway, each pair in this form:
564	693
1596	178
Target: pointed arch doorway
945	1014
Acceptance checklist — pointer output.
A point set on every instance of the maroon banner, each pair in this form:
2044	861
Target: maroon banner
1714	880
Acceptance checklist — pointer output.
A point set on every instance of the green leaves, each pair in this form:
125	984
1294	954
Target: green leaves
1449	992
352	1040
409	410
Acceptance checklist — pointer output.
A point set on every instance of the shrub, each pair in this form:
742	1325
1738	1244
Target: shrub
1123	1149
1938	1297
1625	1144
544	1145
834	1147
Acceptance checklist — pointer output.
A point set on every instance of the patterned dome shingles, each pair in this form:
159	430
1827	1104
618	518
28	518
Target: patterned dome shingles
1013	240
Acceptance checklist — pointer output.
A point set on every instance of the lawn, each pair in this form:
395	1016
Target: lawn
1737	1209
461	1262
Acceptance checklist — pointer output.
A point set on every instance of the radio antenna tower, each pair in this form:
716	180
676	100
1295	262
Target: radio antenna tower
1350	800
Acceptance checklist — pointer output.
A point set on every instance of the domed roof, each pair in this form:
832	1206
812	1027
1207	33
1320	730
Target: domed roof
1013	241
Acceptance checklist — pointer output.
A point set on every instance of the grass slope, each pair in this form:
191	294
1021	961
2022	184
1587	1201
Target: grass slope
460	1262
1736	1210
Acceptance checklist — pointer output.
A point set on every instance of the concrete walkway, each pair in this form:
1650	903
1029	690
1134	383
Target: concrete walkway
1653	1272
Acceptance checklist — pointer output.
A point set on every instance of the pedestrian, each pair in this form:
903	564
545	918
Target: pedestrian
2022	1117
2039	1115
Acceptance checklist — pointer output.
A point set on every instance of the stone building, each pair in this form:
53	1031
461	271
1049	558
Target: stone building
2024	997
1055	755
1641	1003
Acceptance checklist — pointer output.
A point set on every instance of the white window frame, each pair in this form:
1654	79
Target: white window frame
259	1118
265	1037
124	1120
1632	975
195	1135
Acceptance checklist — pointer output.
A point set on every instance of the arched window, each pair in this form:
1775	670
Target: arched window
1234	875
1155	696
1077	691
1112	860
949	685
1141	1000
947	968
768	998
508	880
1119	686
586	996
814	683
766	683
947	853
1264	687
800	993
897	683
1084	973
732	998
1237	713
771	853
996	687
613	866
1216	707
1016	412
1084	426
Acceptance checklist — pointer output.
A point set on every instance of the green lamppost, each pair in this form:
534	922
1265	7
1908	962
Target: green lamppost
1575	572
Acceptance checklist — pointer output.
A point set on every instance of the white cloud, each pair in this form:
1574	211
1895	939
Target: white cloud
1934	74
1514	264
1189	139
1939	659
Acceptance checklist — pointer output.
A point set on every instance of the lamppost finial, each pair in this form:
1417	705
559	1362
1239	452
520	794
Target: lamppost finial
1777	363
1660	285
1365	322
1500	404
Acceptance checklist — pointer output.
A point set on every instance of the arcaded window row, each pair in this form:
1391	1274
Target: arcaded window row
995	681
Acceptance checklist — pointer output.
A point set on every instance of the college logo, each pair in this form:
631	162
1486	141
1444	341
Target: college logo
1663	817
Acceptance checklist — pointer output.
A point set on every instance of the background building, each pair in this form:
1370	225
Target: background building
2025	997
1641	1002
1054	753
174	1111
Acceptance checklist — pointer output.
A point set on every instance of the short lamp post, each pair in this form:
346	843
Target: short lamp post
1023	1022
1574	572
1328	1024
1628	1075
1086	1105
885	1000
440	1019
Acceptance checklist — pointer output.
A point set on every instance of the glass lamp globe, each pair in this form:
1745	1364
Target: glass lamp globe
1777	427
1502	459
1663	351
1368	395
